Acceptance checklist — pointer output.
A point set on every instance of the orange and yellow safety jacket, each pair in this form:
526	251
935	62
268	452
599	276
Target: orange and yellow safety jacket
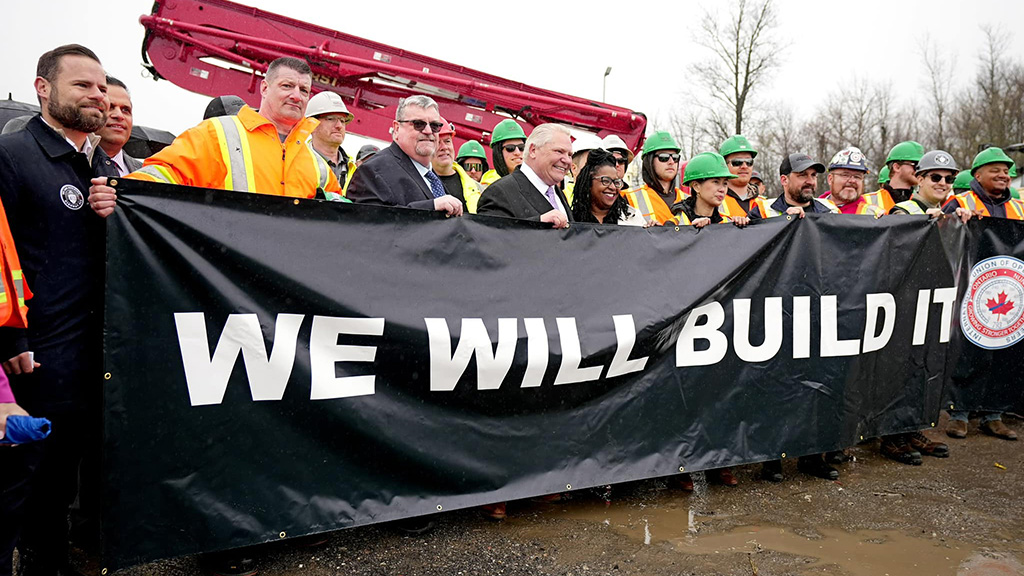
971	201
876	203
13	289
243	153
650	205
732	207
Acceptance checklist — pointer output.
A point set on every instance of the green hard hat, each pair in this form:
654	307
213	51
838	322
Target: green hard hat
1013	170
660	141
990	156
734	144
706	165
883	175
471	149
908	151
507	129
963	180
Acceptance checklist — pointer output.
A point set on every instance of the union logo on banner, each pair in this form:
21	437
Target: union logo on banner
992	313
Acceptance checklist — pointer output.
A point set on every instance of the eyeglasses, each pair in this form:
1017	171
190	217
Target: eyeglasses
473	167
854	177
607	182
510	148
914	164
667	157
419	125
936	178
742	162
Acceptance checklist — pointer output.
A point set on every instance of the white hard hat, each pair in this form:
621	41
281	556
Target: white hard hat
613	142
585	142
327	103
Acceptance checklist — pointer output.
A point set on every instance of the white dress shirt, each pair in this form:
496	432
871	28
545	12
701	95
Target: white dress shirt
540	185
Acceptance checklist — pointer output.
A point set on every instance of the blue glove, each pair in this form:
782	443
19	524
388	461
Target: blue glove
23	429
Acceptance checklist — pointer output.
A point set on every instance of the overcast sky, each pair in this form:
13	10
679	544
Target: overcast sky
647	44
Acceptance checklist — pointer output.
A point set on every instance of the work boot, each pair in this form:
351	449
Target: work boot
897	448
957	429
415	526
772	471
684	482
838	456
922	444
998	429
724	476
815	465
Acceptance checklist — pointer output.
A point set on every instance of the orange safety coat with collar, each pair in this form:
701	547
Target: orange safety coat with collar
650	205
13	289
243	153
731	207
970	200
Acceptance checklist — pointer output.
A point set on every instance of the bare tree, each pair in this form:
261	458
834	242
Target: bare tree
744	51
939	87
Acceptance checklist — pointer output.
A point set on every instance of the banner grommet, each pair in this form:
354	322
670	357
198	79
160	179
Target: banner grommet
783	454
681	469
568	486
107	376
282	534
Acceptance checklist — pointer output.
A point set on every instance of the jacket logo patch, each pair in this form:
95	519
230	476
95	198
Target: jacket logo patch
72	197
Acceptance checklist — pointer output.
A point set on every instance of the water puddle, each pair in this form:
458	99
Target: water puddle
678	522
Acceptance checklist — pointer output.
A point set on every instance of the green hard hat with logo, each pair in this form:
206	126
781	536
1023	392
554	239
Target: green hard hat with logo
507	129
908	151
706	165
883	175
471	149
660	141
991	155
737	143
963	180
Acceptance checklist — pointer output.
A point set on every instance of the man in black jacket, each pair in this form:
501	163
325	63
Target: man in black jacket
56	364
401	174
532	191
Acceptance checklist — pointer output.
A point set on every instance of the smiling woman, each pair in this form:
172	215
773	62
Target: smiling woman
597	199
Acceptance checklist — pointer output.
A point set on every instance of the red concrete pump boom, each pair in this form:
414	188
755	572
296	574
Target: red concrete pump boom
217	48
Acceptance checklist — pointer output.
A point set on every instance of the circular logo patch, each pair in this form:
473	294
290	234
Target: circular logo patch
992	313
72	197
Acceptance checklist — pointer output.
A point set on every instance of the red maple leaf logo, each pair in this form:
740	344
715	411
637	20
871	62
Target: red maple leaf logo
1000	306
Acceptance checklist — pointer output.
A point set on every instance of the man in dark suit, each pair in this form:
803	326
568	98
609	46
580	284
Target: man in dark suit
118	129
532	191
401	174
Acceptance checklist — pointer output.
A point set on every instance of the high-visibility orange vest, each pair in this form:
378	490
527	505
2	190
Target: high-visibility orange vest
881	201
13	289
650	205
243	153
970	200
732	207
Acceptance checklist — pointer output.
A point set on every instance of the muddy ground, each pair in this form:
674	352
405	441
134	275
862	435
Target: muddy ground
959	515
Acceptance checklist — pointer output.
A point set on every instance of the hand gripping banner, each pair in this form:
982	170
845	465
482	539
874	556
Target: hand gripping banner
279	367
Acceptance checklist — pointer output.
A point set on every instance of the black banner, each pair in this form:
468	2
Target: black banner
280	367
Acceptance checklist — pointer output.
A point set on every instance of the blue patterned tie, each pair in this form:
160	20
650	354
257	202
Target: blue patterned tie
436	188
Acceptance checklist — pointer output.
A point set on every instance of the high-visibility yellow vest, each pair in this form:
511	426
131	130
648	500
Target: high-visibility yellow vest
881	200
910	206
772	213
650	205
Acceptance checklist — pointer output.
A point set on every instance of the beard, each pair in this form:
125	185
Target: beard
73	117
847	195
805	194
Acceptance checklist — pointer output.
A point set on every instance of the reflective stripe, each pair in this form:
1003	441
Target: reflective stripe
910	206
234	150
19	286
1018	209
158	172
643	205
772	212
971	201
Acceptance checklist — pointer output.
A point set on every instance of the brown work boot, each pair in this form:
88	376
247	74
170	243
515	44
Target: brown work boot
897	448
724	476
684	482
922	444
957	429
494	512
998	429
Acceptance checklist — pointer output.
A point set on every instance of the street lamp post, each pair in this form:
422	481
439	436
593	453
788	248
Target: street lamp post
604	82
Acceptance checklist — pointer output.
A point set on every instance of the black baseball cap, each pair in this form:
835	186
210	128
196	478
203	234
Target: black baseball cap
223	106
366	151
798	163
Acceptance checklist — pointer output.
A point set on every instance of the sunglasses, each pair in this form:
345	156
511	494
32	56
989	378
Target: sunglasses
510	148
667	157
607	182
741	162
621	161
936	178
473	167
419	125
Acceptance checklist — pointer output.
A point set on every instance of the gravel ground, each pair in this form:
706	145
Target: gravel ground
959	515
